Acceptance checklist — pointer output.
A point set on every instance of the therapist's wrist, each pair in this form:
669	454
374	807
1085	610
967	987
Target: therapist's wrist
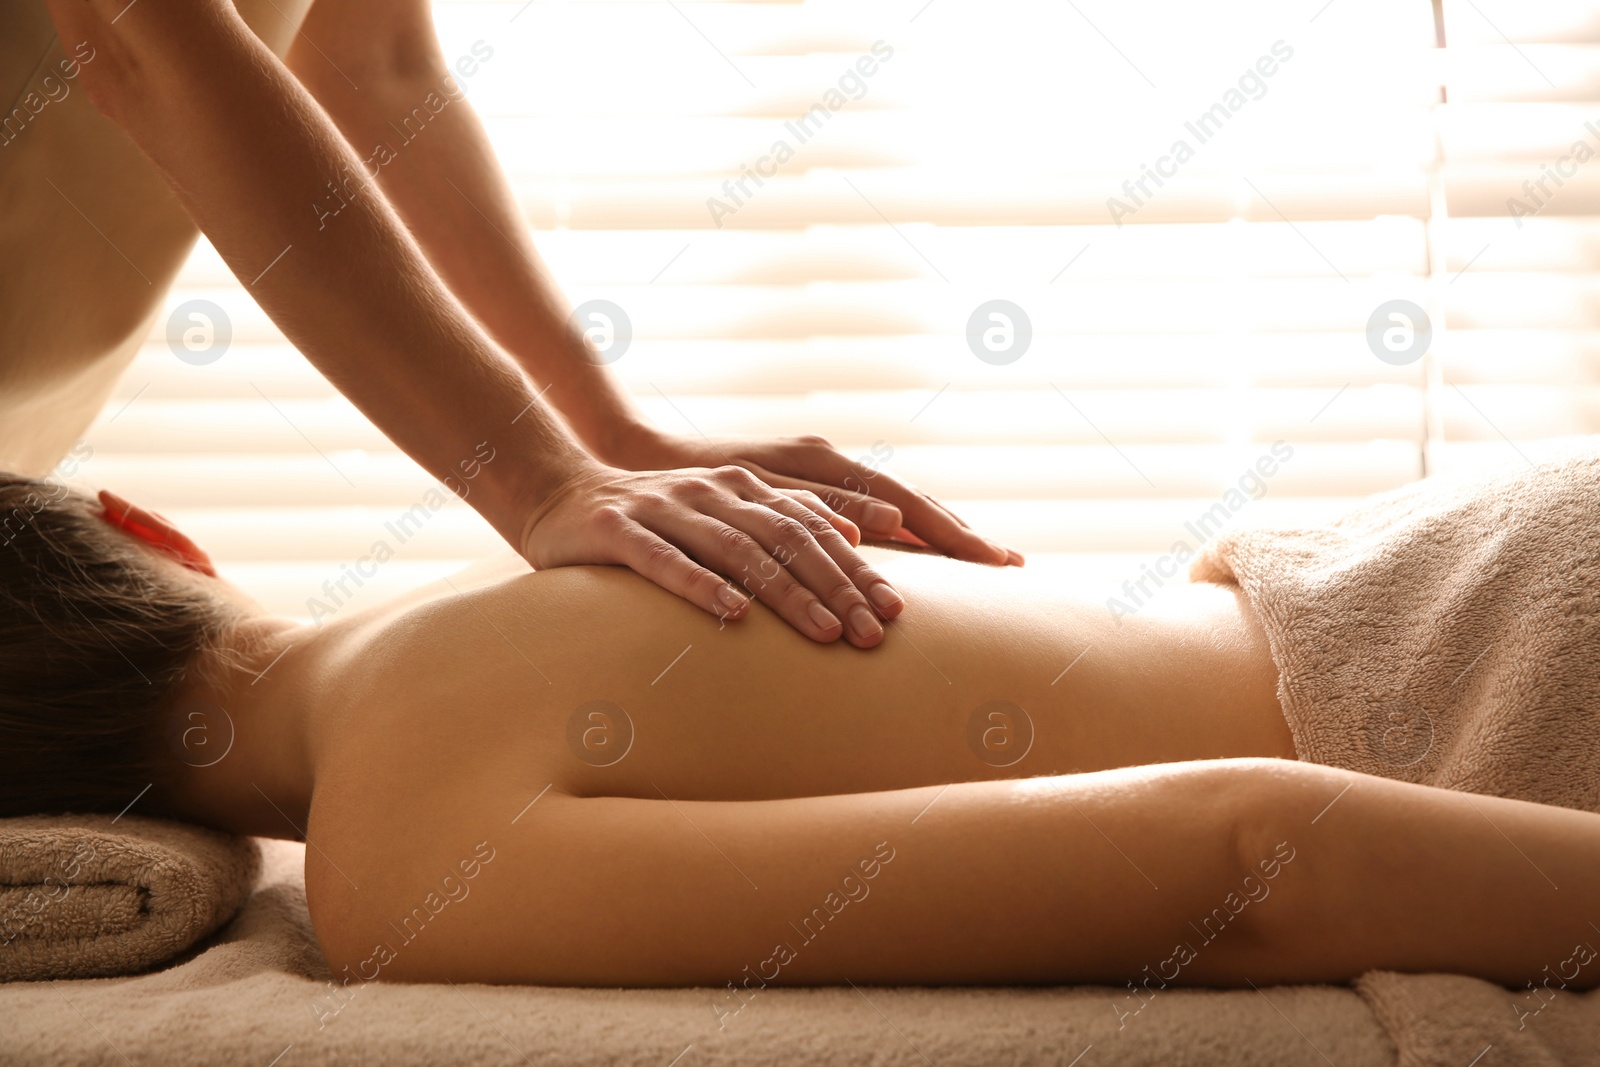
523	476
596	409
627	442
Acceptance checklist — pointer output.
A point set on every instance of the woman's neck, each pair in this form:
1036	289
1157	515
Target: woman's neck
243	740
242	735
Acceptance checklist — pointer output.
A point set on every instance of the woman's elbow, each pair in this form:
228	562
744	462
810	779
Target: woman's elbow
1291	855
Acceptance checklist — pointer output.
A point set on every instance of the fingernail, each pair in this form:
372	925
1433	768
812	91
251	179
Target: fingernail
730	599
1003	553
863	623
880	518
822	616
884	598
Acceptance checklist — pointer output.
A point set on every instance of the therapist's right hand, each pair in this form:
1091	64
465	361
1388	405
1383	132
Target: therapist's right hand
716	537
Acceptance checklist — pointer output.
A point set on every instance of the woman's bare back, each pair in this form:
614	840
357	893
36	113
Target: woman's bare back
600	684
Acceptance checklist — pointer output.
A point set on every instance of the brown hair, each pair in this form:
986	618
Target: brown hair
95	634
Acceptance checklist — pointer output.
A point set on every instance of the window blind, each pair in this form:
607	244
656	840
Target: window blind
1199	210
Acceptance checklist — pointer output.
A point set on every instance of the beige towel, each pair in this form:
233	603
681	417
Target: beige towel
1450	1020
88	895
1447	633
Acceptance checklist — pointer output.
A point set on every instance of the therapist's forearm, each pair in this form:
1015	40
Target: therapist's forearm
351	290
442	176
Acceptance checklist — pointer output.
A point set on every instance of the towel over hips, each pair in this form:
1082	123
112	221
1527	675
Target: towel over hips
1446	633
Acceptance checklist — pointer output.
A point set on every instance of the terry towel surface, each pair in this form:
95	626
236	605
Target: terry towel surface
1450	1020
261	992
1447	633
81	897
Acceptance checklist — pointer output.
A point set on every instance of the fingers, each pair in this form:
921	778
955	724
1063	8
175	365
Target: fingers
807	498
828	565
669	567
876	519
791	550
856	492
1013	557
930	521
734	552
826	473
790	554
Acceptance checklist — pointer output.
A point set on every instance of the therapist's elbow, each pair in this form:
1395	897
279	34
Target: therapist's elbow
120	54
113	85
401	58
105	67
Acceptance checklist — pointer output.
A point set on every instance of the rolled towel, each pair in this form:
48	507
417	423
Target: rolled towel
87	896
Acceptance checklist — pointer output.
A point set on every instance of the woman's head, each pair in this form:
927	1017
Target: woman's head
104	610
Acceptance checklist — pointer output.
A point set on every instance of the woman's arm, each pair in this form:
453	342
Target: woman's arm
1077	878
293	211
1208	873
1407	877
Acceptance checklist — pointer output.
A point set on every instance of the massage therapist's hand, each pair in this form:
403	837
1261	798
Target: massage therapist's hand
884	508
688	530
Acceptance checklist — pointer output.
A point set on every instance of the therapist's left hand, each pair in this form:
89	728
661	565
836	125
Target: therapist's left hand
883	507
